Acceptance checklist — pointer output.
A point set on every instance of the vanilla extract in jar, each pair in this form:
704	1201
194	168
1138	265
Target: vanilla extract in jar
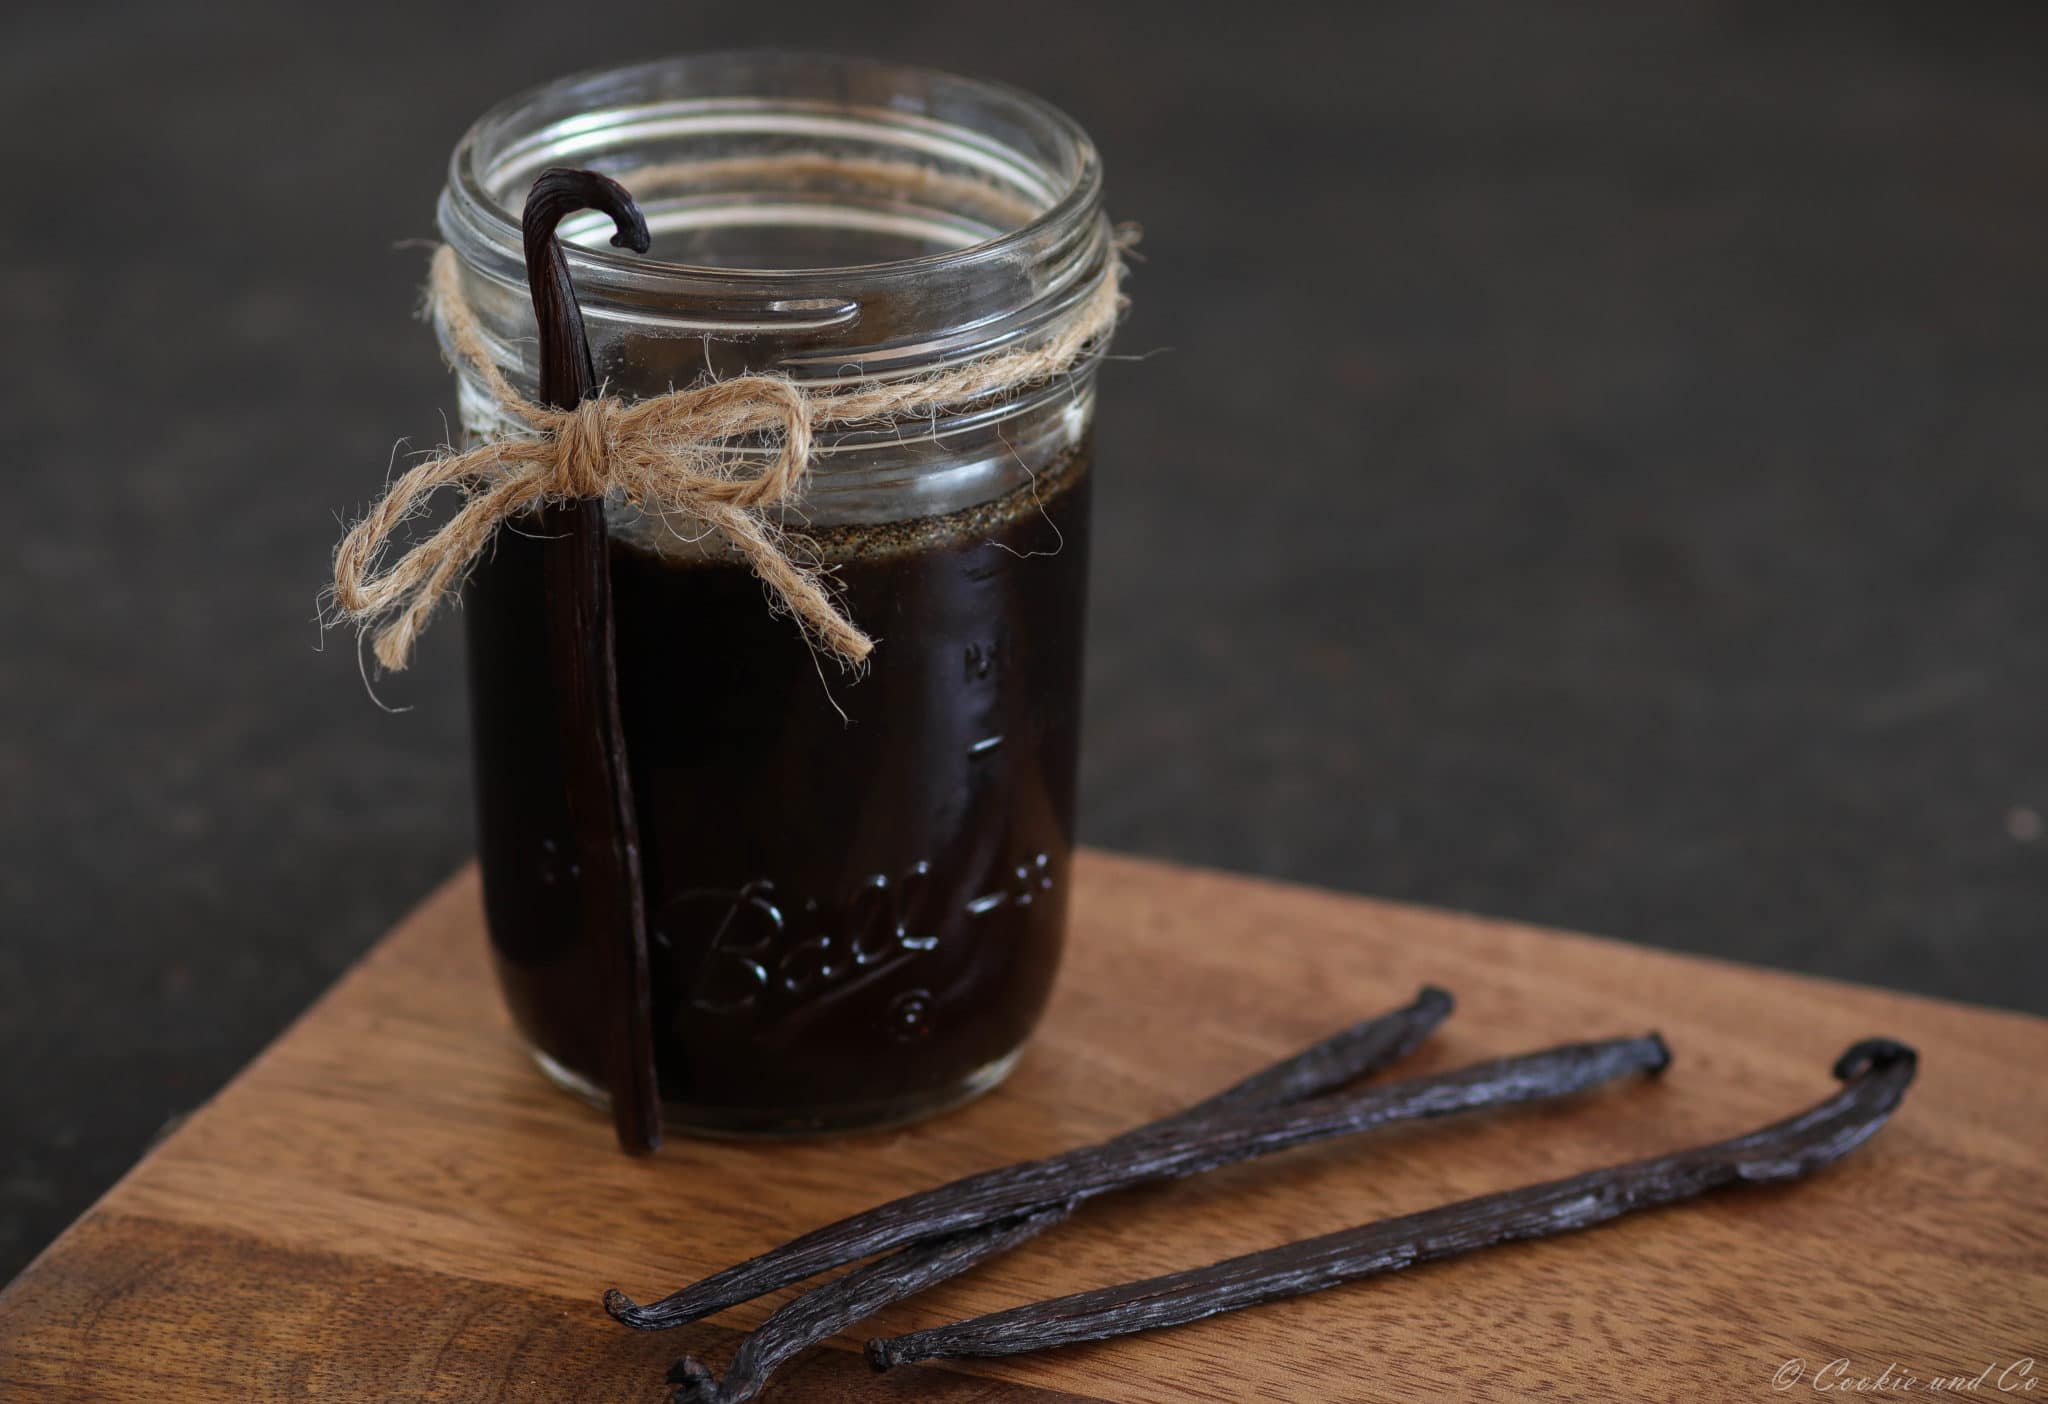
855	886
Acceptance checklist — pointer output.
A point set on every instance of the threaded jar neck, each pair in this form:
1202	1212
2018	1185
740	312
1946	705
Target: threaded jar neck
828	218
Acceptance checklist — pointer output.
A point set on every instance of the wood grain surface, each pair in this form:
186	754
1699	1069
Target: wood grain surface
390	1203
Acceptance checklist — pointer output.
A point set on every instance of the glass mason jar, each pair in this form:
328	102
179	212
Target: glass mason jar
855	887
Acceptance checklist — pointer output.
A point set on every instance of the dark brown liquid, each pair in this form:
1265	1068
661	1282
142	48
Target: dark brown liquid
846	916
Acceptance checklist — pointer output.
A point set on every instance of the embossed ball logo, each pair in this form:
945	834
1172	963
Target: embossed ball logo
766	952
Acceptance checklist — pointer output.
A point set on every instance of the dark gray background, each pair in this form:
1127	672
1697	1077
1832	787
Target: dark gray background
1597	477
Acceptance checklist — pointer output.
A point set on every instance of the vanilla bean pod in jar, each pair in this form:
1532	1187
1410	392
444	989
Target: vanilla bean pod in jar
854	880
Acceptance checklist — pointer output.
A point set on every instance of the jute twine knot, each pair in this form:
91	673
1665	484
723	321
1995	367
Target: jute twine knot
726	453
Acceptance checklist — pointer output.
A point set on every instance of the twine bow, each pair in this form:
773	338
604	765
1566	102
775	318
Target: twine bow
695	452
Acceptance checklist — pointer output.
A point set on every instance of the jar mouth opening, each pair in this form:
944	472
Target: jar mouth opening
784	175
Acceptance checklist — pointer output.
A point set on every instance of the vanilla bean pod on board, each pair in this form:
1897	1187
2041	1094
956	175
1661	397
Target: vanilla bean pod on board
1224	1136
1876	1071
854	1296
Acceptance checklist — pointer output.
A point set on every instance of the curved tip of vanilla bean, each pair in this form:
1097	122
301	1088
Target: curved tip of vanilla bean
694	1382
621	1308
1873	1055
632	233
562	189
1662	1055
1434	1000
882	1353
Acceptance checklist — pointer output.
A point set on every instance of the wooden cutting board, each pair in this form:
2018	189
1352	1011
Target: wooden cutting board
390	1204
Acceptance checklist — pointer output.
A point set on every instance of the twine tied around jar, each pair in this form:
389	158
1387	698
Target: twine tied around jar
694	453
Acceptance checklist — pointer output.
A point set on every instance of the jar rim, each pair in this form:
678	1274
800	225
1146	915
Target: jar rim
480	222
